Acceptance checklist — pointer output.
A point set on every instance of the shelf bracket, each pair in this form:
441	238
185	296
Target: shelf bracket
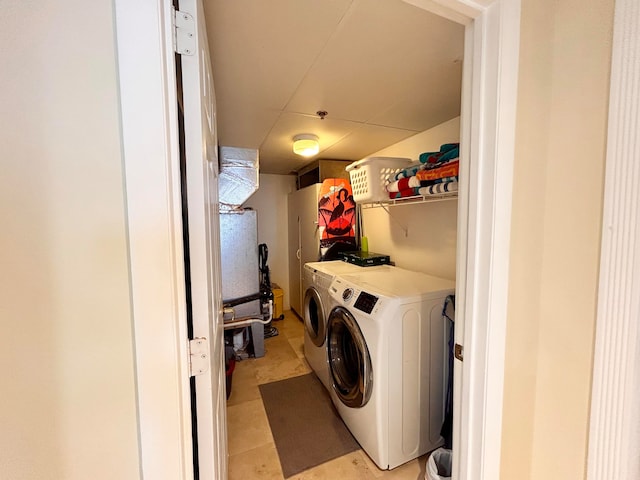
404	229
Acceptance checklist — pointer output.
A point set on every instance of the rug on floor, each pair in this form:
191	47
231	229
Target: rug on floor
306	428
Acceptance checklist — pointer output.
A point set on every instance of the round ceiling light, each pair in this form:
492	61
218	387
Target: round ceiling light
306	145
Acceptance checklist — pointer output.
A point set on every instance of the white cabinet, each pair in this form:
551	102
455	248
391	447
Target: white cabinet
304	240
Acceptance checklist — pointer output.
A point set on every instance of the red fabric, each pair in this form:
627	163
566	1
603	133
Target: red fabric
403	184
407	192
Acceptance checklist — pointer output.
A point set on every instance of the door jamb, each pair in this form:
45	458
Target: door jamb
614	438
149	131
489	98
150	151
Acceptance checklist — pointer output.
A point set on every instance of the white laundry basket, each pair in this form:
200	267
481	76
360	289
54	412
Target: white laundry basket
440	461
369	176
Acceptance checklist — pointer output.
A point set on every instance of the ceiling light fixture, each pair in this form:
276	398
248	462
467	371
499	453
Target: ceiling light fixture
306	145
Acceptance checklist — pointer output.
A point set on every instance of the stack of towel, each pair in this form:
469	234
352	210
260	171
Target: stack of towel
435	173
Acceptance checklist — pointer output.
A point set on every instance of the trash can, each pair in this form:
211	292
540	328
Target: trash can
230	365
439	465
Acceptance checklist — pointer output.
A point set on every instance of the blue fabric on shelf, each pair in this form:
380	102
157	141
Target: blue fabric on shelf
447	152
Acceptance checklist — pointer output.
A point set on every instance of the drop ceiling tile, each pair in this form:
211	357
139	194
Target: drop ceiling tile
265	48
378	49
423	107
279	143
365	140
248	126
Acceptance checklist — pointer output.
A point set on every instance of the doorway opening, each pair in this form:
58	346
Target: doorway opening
487	134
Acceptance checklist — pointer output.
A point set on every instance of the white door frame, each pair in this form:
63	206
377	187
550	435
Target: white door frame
150	152
614	433
489	98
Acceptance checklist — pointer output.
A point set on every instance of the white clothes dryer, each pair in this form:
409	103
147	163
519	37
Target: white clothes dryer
316	278
386	344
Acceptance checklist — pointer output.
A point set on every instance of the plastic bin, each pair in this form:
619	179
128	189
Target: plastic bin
439	465
278	302
369	176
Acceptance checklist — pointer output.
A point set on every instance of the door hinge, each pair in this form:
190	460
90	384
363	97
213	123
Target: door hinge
184	33
458	351
198	356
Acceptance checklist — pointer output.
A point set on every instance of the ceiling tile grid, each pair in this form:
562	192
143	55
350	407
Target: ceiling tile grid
383	70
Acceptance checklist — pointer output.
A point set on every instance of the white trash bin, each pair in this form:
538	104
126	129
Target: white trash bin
439	465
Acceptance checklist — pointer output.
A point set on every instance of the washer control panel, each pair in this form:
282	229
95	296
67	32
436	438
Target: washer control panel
365	302
347	294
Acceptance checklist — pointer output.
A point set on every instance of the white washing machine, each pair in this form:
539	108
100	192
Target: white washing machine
386	344
316	278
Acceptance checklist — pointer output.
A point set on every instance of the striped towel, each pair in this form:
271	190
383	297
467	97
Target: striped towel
439	188
435	189
426	183
403	184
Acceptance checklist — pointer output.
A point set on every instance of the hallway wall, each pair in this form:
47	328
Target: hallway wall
565	56
270	203
66	348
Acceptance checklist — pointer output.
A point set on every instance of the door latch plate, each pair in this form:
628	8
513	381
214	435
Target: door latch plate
458	351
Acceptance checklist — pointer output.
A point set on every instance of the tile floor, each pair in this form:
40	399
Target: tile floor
252	452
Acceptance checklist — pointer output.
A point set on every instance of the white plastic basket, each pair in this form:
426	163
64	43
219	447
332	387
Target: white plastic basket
368	177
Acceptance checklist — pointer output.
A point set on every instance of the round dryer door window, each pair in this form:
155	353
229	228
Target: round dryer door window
314	320
349	360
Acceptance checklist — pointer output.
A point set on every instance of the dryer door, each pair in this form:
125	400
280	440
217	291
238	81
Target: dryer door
349	360
314	319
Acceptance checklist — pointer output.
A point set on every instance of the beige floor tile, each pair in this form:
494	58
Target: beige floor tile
260	463
248	427
276	349
242	393
371	465
283	370
297	343
347	467
244	383
413	470
291	326
279	362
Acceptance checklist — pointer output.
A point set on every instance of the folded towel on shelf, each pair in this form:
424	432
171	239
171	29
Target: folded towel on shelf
447	152
449	169
403	184
426	183
407	192
410	171
439	188
433	166
435	189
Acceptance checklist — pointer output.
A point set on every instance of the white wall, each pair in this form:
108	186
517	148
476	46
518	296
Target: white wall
429	243
565	55
270	203
68	408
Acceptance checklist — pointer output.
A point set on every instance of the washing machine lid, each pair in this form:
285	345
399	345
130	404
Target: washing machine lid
314	316
398	283
333	267
350	365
